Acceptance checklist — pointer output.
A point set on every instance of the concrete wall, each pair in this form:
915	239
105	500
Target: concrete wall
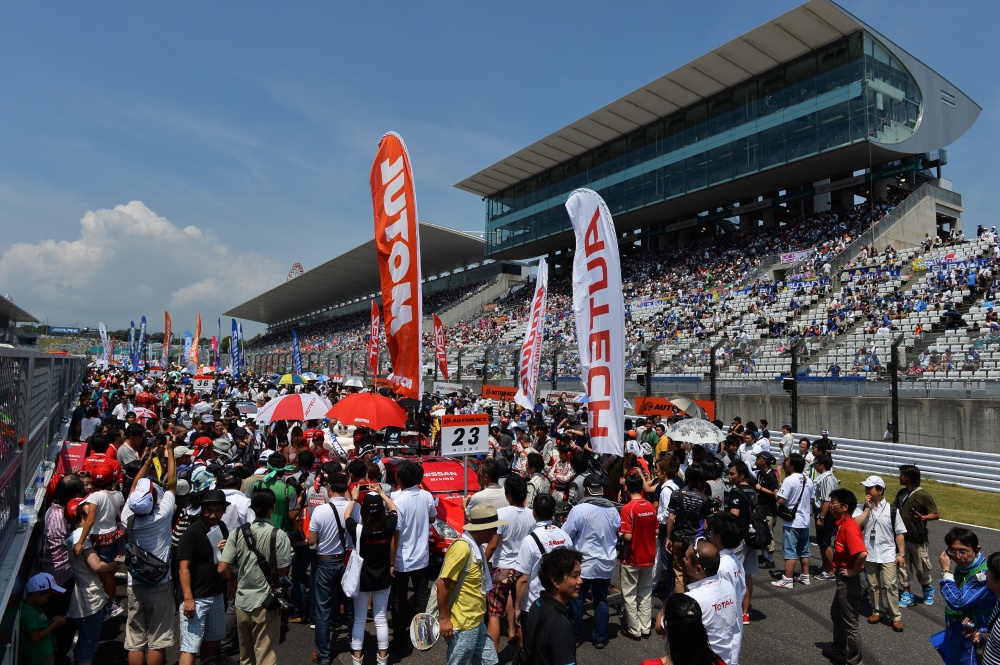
910	230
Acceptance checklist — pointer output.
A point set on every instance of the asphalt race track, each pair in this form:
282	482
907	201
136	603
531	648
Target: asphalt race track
787	627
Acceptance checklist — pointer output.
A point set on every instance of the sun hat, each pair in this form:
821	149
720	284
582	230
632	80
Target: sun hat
483	517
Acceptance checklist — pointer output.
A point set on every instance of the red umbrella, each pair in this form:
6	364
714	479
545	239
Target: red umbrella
368	410
297	406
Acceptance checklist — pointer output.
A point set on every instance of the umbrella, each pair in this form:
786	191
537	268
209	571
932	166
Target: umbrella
688	406
174	375
142	414
290	379
368	410
293	407
309	376
354	383
695	430
322	378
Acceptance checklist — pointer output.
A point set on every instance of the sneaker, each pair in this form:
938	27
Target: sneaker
298	618
825	576
784	583
928	595
746	619
113	610
802	579
906	599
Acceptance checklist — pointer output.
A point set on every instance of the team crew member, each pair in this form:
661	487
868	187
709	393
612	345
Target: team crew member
638	528
720	607
415	510
545	537
849	554
966	593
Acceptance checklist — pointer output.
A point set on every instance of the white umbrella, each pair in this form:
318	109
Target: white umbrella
295	406
696	431
354	383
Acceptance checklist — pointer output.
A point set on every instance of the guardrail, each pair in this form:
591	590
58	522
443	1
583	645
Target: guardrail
37	393
964	468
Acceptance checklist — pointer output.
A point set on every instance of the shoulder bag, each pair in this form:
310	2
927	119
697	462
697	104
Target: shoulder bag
351	582
788	513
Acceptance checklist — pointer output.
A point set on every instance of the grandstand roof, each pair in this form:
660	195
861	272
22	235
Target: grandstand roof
795	33
354	274
11	312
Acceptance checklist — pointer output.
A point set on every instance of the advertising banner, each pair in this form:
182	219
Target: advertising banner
440	352
531	348
373	341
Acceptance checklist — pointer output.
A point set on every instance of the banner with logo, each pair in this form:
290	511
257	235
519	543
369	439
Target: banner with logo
130	360
215	351
440	351
600	318
167	332
218	358
795	257
192	353
105	353
243	355
531	348
373	341
140	355
234	351
188	343
498	392
296	354
397	245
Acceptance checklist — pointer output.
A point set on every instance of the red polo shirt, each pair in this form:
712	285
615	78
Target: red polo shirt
848	543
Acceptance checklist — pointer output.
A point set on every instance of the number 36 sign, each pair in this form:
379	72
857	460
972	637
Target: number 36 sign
465	435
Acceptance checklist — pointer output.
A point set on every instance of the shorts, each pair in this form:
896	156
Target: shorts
472	646
109	545
826	533
496	599
88	637
150	623
794	542
207	625
748	557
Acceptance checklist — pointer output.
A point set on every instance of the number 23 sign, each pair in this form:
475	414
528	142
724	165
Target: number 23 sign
465	435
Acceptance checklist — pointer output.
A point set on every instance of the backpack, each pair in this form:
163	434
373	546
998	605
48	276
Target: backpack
756	530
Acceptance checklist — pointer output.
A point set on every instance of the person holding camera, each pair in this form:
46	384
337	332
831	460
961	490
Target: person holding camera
256	556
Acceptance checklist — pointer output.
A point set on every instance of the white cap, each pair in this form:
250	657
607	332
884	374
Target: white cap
873	481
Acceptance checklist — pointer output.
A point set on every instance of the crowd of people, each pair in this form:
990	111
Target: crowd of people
225	531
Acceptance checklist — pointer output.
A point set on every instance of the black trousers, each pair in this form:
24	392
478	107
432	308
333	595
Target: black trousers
405	605
845	611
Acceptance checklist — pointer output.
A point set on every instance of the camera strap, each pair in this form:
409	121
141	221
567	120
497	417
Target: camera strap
265	566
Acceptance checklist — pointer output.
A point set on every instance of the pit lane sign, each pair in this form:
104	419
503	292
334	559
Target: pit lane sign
203	384
465	435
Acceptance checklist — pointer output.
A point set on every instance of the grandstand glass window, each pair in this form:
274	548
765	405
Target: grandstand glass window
848	91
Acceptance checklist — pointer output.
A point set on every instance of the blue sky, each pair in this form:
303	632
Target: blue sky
256	124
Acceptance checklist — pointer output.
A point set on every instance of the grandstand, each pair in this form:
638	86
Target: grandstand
780	203
10	315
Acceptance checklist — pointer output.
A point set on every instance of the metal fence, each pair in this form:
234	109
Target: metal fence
37	393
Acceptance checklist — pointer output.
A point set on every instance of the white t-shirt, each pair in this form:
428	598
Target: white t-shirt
109	507
666	491
519	524
529	558
793	492
324	524
878	532
720	612
731	570
152	533
88	592
416	510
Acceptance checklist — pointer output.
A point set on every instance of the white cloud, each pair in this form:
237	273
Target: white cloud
129	261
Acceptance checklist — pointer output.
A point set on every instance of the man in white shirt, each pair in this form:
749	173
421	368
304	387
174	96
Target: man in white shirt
152	609
327	535
503	551
545	537
727	536
492	493
666	472
416	511
123	407
201	408
717	598
796	492
883	530
239	512
593	526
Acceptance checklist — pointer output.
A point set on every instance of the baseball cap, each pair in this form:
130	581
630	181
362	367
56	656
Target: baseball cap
103	473
72	506
265	455
768	457
825	432
140	501
372	503
873	481
43	582
202	442
369	448
208	418
592	484
181	451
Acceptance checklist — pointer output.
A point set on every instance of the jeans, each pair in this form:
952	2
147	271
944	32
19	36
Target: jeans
471	647
327	573
380	600
302	598
402	609
600	589
88	639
